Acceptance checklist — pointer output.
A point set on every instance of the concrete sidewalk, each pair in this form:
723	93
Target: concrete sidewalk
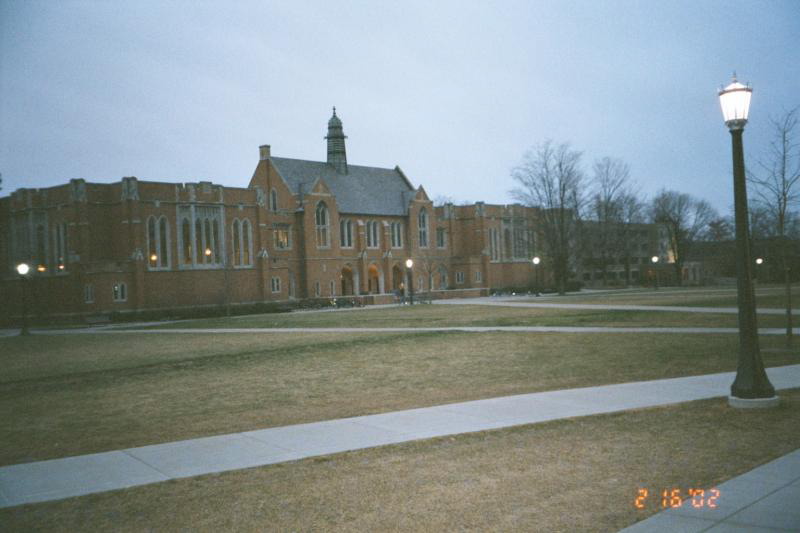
608	307
763	499
74	476
435	329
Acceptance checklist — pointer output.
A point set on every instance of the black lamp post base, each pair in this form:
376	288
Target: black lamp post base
753	403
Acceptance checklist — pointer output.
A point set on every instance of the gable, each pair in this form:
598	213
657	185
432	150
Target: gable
363	190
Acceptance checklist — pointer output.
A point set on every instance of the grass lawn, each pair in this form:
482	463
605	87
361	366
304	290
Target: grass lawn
571	475
80	393
473	315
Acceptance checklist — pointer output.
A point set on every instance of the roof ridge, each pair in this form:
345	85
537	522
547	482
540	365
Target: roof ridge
326	164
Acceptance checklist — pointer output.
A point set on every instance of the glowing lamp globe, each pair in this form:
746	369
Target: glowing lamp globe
409	263
23	269
536	260
735	102
654	259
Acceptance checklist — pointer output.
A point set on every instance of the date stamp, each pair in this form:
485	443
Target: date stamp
674	498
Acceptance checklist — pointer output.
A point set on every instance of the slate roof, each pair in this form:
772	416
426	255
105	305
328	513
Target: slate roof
363	190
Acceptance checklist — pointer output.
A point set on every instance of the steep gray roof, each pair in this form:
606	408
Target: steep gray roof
363	190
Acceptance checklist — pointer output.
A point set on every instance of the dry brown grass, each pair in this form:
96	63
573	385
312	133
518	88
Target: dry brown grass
572	475
474	315
85	393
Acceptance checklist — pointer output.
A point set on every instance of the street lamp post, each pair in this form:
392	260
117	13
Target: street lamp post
759	262
410	274
751	388
536	260
654	260
23	269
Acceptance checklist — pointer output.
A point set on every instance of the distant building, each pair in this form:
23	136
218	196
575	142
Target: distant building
621	255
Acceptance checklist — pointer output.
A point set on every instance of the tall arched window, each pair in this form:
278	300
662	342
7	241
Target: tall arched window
422	220
237	249
208	242
346	233
186	237
242	243
41	255
247	243
322	221
372	234
199	244
163	242
157	246
60	247
397	235
273	200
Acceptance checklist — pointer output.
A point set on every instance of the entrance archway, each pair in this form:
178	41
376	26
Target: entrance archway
374	281
397	278
442	277
347	281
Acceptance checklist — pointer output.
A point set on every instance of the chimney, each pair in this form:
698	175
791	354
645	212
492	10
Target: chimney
263	152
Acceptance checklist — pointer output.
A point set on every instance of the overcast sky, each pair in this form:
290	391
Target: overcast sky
452	92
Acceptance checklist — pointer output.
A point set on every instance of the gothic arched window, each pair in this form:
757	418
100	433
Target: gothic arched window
157	244
422	220
372	234
346	233
321	219
273	200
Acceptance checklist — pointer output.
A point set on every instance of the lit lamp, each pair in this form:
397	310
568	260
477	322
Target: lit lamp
23	269
751	388
410	276
654	260
536	260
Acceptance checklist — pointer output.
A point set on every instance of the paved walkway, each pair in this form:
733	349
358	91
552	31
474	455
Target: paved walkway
466	329
73	476
763	499
504	302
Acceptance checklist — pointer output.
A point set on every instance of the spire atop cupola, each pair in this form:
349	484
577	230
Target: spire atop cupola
336	151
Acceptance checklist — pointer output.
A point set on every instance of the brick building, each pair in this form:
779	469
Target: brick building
300	229
621	254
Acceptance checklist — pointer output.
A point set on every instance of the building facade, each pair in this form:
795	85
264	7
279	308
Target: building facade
300	229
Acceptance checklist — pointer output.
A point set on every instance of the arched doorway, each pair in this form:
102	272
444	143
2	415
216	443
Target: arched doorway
374	281
397	278
347	281
442	277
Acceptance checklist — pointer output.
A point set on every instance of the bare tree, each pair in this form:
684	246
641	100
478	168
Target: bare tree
550	178
612	203
442	199
776	180
686	219
632	212
721	229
